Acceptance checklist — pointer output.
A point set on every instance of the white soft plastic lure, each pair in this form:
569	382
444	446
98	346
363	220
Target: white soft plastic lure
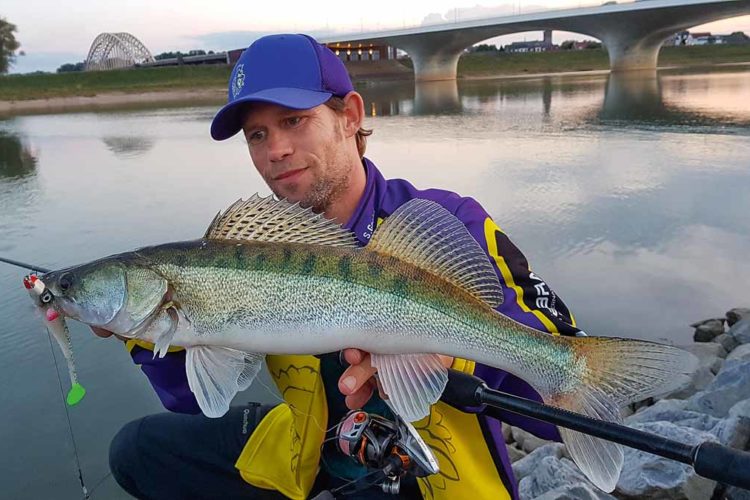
58	329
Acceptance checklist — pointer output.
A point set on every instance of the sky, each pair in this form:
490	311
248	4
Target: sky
52	32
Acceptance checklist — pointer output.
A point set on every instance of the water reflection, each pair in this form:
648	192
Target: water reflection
19	187
128	146
437	98
16	158
637	97
633	95
641	98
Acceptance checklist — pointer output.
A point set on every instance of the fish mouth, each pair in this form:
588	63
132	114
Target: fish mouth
289	174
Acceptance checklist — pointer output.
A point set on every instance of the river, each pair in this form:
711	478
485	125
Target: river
627	194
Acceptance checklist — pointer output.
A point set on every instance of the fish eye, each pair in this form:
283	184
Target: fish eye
66	281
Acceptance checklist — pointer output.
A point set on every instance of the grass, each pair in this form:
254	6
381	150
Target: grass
41	86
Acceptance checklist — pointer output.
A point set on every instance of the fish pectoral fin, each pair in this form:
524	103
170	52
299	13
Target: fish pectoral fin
169	320
413	382
216	374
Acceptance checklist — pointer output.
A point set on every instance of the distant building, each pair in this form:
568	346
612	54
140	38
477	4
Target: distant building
706	38
543	45
362	52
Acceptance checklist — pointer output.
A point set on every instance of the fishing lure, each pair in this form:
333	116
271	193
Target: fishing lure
58	329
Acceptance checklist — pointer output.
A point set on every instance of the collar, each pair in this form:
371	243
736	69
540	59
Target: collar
362	222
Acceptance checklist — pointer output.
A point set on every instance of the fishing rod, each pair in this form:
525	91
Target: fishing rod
32	267
709	459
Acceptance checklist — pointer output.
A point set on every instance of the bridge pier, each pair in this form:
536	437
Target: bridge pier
632	54
433	62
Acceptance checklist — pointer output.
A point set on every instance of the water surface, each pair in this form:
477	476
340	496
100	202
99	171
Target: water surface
627	194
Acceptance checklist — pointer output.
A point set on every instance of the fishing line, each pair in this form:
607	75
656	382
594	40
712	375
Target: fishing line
70	425
40	269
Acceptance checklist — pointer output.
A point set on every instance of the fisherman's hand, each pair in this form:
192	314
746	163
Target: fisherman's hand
100	332
357	382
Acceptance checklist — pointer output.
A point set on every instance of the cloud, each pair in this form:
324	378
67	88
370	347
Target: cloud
479	12
229	40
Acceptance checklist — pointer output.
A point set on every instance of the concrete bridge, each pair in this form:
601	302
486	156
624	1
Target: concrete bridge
632	32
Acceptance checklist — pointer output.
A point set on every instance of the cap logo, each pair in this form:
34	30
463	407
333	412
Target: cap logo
239	80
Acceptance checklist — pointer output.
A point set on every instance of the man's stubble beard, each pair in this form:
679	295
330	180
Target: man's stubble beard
334	180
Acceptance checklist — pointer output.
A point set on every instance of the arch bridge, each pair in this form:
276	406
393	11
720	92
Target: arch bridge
116	50
633	33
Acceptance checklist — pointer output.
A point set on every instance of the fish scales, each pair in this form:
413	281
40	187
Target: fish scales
374	301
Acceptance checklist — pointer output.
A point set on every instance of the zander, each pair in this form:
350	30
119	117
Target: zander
269	277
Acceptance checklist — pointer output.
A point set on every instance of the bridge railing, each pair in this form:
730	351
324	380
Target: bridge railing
459	15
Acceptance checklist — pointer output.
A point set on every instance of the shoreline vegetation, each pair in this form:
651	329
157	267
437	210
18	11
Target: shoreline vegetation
51	92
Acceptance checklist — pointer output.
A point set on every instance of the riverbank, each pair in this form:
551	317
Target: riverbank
50	93
715	406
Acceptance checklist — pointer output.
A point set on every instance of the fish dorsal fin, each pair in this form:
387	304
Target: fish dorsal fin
425	234
269	219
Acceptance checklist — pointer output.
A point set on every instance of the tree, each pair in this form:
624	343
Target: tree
483	47
71	67
567	45
8	45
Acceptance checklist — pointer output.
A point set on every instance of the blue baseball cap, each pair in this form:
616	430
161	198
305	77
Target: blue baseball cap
293	71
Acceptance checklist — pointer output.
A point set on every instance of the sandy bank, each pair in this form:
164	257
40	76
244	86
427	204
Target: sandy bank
114	100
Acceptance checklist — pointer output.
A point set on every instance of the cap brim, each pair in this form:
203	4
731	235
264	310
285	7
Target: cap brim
228	121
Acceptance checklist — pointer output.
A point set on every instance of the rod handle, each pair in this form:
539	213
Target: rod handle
462	390
722	463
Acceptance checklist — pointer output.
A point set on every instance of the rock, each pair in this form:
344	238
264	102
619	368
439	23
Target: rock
528	464
733	431
507	436
700	379
741	409
707	329
706	351
515	454
644	403
575	492
741	331
666	409
735	493
650	476
731	385
726	341
709	363
527	441
552	474
736	314
741	352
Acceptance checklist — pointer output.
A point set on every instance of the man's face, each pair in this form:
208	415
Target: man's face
300	154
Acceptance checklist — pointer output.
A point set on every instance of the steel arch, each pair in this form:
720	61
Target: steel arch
116	50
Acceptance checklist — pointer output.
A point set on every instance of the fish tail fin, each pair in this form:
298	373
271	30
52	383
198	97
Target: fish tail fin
617	372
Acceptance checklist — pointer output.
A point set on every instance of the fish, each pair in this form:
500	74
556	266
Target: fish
272	277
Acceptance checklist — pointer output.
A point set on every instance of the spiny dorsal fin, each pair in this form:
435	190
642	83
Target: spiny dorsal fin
426	235
268	219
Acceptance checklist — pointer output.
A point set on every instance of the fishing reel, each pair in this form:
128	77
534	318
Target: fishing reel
392	447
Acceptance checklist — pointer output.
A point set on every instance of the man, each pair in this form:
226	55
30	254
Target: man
303	122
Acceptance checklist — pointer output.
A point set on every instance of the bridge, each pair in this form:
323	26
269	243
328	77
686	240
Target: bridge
633	33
